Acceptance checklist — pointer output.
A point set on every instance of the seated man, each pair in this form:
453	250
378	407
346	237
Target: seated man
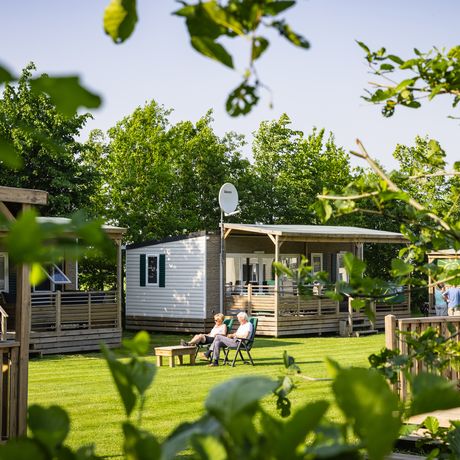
243	332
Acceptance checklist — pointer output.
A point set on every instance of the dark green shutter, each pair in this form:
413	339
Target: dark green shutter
142	270
162	270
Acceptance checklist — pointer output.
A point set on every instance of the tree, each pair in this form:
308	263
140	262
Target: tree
290	170
163	179
48	153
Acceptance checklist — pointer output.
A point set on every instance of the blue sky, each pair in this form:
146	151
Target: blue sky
320	87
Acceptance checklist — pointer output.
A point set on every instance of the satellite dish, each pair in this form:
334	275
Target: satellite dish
228	198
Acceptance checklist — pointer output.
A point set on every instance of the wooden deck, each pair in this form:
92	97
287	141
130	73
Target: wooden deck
289	314
64	322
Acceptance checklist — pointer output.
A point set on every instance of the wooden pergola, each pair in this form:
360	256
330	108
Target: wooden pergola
15	353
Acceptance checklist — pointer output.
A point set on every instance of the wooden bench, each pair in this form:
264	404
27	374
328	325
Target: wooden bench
171	352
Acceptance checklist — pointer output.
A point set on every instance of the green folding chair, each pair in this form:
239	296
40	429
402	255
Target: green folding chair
243	345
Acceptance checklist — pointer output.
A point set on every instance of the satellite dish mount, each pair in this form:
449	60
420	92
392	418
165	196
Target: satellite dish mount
228	202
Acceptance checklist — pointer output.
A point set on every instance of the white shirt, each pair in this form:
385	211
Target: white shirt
218	330
244	331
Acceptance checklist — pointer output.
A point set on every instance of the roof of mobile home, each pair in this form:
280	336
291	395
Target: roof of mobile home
326	233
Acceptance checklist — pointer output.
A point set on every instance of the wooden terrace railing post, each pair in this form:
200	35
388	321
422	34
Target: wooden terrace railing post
249	299
58	302
409	298
390	332
89	310
350	316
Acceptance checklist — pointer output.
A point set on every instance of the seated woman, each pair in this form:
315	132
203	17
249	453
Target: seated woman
219	329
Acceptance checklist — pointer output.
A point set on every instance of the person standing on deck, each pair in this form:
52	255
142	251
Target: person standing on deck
440	303
452	297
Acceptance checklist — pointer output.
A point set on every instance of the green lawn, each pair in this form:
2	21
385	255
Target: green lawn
82	385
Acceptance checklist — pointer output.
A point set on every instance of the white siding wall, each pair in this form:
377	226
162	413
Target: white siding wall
185	281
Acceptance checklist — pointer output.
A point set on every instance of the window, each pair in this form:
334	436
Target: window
152	269
4	284
342	274
54	277
316	262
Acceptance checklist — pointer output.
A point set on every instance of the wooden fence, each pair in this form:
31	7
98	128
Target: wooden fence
64	311
394	340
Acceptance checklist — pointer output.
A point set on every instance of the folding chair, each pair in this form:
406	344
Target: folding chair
228	322
243	345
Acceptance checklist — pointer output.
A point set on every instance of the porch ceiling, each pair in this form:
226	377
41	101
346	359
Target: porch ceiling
317	233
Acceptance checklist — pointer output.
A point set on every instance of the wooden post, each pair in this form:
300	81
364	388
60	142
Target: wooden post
350	316
13	403
57	303
23	336
276	299
249	299
390	332
409	299
119	283
89	310
373	306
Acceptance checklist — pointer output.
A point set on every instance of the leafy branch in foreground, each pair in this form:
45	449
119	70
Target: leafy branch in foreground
427	75
236	425
210	21
427	225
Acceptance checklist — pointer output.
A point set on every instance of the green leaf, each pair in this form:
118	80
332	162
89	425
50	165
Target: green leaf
121	376
37	274
431	423
453	438
276	7
286	31
49	425
432	392
25	240
227	400
355	267
371	407
363	46
387	67
323	210
139	444
395	59
358	304
333	367
297	428
404	84
179	439
120	19
139	344
22	449
8	155
241	100
259	45
208	448
213	50
400	268
142	374
66	93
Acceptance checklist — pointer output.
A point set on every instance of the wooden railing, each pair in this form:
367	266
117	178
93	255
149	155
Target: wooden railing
3	324
394	340
259	300
61	311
